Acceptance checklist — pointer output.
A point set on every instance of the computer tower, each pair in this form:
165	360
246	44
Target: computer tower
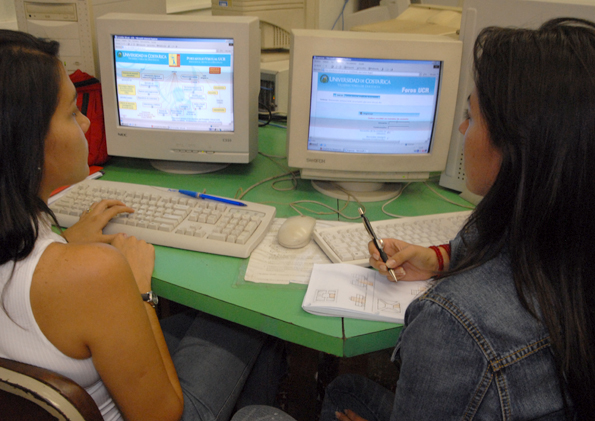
478	14
274	87
70	22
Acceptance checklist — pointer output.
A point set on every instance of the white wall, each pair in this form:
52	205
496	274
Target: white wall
329	11
453	3
191	7
8	17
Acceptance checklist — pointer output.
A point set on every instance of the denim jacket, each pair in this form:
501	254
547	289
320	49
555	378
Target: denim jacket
470	351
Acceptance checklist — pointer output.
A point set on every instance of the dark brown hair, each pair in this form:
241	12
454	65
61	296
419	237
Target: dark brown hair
536	92
29	88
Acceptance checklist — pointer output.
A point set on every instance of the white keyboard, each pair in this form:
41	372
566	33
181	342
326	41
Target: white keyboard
171	219
349	243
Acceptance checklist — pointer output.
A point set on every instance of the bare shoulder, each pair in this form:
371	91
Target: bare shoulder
71	286
82	260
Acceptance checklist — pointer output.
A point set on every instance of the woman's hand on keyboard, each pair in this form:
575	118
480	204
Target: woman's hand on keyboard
89	228
408	261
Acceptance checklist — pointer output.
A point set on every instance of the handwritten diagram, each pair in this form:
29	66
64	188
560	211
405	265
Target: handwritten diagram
353	291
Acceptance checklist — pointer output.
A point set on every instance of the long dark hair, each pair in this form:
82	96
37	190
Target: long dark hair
29	87
536	92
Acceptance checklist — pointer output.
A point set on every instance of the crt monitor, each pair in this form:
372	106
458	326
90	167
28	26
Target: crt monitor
180	90
370	110
478	14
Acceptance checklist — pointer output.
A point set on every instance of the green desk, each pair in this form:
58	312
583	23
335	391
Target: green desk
215	284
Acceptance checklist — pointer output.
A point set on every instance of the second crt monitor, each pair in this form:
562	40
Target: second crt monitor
369	110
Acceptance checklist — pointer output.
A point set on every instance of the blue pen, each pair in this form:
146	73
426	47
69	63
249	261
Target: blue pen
207	196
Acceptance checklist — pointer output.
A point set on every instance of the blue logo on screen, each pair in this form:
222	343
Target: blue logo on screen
324	78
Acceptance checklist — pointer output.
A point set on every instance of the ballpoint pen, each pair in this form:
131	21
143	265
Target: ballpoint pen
208	196
377	242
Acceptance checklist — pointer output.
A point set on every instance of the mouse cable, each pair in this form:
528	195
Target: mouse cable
297	205
294	173
350	198
403	187
432	189
271	157
290	176
240	193
293	176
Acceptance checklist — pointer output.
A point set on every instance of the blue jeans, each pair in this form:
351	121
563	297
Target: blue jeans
363	396
221	364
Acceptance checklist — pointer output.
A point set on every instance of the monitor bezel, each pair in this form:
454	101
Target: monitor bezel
239	146
351	166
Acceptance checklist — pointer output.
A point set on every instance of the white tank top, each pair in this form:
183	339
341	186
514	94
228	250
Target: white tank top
21	338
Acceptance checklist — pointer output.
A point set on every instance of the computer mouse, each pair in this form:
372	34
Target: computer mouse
296	231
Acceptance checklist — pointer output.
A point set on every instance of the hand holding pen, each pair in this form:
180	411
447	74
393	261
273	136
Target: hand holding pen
377	242
409	261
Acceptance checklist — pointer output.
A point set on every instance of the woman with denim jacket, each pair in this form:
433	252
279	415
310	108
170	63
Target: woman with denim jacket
508	330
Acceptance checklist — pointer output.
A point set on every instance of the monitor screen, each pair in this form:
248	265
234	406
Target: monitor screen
368	110
181	91
174	83
373	106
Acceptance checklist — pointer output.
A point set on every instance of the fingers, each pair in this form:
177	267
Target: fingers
106	210
89	228
123	238
129	244
353	416
116	240
391	247
349	415
341	416
112	207
383	268
110	238
140	256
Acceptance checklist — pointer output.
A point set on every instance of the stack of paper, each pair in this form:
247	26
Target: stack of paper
345	290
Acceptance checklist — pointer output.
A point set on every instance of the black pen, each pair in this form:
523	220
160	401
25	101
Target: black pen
377	242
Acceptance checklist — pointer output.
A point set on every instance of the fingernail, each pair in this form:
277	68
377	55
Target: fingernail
400	272
390	263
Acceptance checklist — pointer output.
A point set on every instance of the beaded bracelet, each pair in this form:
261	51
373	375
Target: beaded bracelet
436	249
